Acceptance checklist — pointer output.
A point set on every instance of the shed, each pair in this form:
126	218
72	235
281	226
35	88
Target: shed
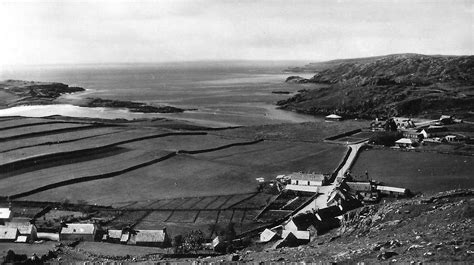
393	190
268	235
83	232
289	240
153	238
8	234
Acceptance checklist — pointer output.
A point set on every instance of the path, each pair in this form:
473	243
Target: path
321	201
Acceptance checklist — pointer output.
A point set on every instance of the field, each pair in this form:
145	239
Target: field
157	173
417	171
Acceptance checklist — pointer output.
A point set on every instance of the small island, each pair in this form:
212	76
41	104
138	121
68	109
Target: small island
130	105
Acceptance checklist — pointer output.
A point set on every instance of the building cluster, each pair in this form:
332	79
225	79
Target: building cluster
23	230
333	201
414	134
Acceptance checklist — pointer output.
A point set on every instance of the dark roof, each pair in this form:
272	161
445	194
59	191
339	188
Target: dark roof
435	129
329	212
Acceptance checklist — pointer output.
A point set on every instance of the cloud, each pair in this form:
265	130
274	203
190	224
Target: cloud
37	32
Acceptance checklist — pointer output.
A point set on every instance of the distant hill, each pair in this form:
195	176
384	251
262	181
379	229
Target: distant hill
398	84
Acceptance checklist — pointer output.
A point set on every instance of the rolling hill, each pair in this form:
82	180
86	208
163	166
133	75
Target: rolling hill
399	84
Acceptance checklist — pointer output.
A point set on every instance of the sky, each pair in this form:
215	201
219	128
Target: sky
74	32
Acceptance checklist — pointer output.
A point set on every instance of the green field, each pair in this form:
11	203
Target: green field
417	171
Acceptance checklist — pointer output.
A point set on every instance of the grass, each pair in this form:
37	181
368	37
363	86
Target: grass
39	129
417	171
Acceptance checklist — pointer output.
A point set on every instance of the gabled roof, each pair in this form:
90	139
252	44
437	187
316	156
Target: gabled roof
81	229
304	221
404	141
359	186
328	212
8	233
149	236
5	213
333	116
307	176
25	228
116	234
300	235
267	235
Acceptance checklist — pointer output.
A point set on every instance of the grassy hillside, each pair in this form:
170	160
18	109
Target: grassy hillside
400	84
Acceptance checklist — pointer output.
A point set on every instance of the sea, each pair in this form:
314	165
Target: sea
226	93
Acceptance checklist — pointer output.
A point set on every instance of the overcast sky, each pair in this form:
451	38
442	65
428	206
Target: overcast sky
49	32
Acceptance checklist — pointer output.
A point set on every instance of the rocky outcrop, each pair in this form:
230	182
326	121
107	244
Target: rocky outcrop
130	105
402	84
297	80
31	92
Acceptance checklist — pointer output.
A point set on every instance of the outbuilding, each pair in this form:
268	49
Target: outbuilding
405	143
268	235
151	238
309	179
8	234
82	232
27	231
333	117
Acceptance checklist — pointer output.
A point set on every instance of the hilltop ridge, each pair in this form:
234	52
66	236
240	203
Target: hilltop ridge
398	84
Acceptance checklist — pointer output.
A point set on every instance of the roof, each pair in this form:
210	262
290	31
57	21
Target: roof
433	129
304	221
333	116
328	212
21	239
24	227
150	236
78	229
5	213
359	186
267	235
8	233
117	234
307	176
404	141
300	235
445	117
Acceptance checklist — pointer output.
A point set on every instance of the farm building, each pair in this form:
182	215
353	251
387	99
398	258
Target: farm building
393	191
114	236
83	232
151	238
303	237
405	143
289	240
333	117
27	231
446	119
310	179
434	131
5	214
8	234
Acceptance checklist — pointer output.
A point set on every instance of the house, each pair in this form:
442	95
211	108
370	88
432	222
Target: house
82	232
410	133
8	234
268	235
303	237
451	138
333	117
289	240
151	238
405	143
311	179
27	231
434	131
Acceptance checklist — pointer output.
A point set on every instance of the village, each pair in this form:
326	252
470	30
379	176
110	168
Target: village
303	206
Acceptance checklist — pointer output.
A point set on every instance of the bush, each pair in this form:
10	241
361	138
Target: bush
385	138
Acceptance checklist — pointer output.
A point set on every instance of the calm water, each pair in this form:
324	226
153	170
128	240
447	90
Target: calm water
222	93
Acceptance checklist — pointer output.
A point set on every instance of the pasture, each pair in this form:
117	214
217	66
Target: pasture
418	171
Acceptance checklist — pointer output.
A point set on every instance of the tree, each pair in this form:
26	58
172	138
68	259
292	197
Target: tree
193	240
177	243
